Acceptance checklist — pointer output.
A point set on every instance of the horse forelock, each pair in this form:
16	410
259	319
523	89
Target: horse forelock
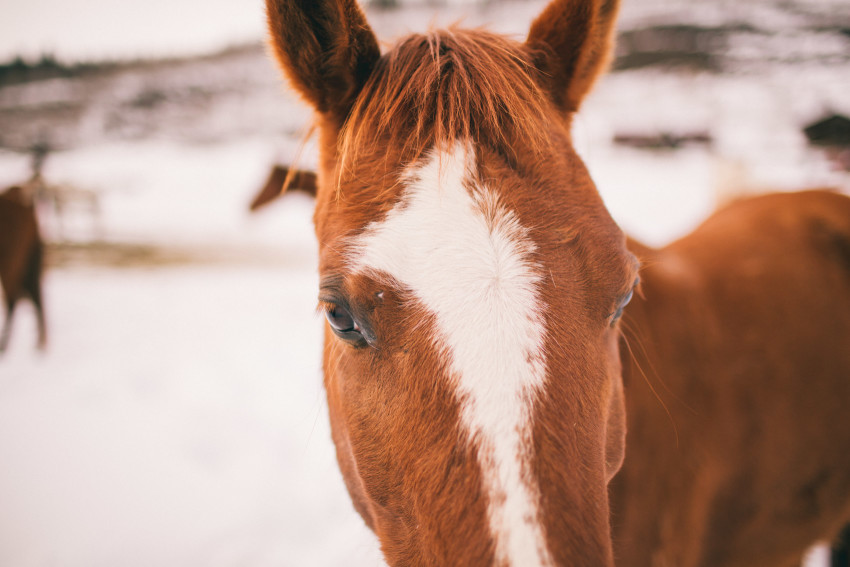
434	89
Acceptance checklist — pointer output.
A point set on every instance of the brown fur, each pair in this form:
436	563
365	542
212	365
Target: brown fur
397	439
573	61
21	257
326	49
446	85
737	376
730	302
282	179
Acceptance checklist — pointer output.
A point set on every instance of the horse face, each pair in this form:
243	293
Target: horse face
472	281
471	365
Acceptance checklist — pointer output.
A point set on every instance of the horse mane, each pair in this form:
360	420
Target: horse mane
434	89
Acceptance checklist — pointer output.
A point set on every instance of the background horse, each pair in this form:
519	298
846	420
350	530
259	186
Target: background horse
282	179
473	283
21	259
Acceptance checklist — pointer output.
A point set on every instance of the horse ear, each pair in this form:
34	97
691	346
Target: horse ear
326	49
282	179
573	42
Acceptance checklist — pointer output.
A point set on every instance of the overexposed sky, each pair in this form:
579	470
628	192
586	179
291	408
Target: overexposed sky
76	30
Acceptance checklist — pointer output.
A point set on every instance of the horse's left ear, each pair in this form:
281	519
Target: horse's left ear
572	42
326	48
281	180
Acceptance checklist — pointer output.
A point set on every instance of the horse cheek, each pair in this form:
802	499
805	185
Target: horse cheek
615	430
341	435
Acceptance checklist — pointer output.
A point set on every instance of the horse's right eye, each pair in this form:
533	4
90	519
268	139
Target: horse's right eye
341	320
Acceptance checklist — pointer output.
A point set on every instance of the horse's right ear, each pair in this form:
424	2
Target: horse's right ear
326	49
573	42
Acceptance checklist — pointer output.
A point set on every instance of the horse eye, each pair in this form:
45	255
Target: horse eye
619	312
341	320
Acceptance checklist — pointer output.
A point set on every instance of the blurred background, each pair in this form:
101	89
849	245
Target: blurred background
176	415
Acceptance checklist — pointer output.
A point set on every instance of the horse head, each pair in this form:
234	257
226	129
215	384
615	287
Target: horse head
472	281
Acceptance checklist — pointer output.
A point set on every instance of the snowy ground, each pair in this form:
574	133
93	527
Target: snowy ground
177	417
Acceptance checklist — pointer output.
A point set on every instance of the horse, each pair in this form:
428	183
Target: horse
735	369
483	365
280	180
21	259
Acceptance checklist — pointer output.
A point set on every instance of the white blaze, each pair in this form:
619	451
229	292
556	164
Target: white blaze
469	261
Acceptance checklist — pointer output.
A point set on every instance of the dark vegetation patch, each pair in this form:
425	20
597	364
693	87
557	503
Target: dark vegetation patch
115	254
70	105
19	71
702	48
692	47
833	130
663	140
118	254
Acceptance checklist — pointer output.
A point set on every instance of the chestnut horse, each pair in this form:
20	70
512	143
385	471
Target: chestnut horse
474	282
21	258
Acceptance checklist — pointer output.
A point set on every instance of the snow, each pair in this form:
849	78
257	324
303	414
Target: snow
177	417
120	29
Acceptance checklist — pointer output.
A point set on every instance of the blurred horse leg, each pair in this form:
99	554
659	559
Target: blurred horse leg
32	285
21	259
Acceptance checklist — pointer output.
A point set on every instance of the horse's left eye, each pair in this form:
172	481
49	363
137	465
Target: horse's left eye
340	319
619	312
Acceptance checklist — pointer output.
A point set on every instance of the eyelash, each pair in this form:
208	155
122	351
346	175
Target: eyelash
619	311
